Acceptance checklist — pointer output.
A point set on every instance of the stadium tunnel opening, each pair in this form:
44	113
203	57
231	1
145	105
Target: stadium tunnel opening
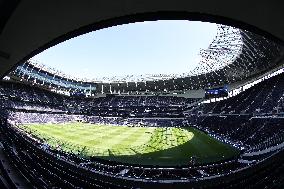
243	119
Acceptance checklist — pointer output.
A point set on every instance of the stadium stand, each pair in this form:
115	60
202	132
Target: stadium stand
44	168
18	96
264	97
260	137
251	121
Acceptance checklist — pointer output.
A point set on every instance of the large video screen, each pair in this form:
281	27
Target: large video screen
216	92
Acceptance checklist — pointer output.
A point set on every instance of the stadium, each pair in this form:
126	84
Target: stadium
219	125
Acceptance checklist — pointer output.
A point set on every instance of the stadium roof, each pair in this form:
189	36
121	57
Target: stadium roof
234	55
27	27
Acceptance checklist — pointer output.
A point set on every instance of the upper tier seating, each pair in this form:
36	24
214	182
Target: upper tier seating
264	97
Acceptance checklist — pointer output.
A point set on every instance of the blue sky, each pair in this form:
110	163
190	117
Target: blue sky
166	47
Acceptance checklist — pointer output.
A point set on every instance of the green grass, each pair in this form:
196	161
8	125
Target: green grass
138	145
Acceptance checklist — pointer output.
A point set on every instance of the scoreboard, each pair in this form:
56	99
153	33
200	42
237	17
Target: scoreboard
216	92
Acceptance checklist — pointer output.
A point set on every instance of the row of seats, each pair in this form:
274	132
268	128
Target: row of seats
251	133
265	97
23	97
45	169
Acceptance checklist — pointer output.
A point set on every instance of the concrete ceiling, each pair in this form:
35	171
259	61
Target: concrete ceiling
28	27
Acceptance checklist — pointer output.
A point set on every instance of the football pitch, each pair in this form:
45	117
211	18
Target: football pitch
166	146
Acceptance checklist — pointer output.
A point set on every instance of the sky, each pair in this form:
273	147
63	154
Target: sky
152	47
